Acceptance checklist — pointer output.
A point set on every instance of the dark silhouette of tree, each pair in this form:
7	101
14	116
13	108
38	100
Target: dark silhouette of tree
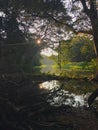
91	11
20	13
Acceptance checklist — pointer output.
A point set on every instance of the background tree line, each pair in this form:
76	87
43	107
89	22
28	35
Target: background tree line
78	49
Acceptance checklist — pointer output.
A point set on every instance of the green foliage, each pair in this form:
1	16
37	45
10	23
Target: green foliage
80	48
77	74
80	70
54	58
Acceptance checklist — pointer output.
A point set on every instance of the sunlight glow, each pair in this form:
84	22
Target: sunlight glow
38	41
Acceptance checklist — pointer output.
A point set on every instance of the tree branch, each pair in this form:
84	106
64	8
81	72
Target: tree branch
70	26
86	10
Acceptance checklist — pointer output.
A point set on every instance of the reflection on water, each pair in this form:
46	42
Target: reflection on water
73	94
49	84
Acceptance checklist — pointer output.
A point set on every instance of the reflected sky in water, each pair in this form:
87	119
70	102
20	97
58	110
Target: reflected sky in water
49	85
63	96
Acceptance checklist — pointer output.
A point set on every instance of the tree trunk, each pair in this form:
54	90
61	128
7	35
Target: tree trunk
92	13
94	23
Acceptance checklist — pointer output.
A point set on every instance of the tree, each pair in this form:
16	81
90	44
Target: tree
23	13
91	11
81	49
78	49
17	17
85	16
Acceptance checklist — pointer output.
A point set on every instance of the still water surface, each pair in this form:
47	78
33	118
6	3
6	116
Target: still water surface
74	92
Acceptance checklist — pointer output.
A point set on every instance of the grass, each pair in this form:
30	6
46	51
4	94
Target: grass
79	70
74	70
79	65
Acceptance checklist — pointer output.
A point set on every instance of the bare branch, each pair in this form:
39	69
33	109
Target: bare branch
70	26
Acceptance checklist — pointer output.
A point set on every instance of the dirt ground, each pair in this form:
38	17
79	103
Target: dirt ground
69	119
